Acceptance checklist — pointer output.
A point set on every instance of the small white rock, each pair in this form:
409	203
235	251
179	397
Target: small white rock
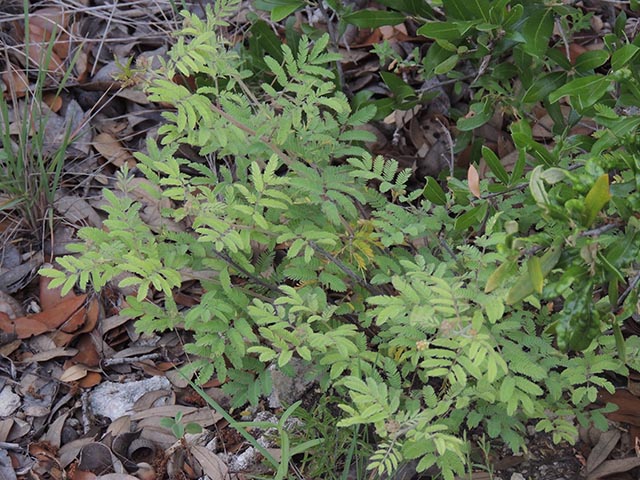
114	400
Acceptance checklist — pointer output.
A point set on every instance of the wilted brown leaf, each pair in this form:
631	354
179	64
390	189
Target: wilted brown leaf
474	181
211	464
599	453
110	148
74	373
614	466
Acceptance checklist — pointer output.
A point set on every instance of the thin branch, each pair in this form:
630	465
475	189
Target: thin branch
633	284
370	288
285	158
602	229
123	361
447	135
229	260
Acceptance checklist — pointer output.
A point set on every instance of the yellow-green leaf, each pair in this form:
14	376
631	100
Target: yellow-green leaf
524	286
597	198
535	273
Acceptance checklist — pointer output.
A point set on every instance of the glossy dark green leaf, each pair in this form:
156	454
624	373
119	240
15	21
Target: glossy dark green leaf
269	5
450	31
590	60
399	88
447	65
586	90
479	114
518	169
622	56
495	165
264	38
283	11
467	9
418	8
471	218
537	31
512	16
374	18
433	192
597	198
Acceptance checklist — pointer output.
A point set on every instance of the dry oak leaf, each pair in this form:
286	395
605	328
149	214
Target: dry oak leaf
68	315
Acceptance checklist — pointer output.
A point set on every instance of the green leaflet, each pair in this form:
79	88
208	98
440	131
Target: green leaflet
524	285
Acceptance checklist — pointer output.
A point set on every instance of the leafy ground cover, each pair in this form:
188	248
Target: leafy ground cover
425	213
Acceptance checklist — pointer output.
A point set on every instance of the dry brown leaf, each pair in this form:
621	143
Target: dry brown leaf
49	354
7	470
474	181
614	466
134	95
53	101
8	348
53	435
5	428
110	148
87	352
159	435
116	476
46	461
119	426
76	210
600	452
83	475
628	406
82	324
70	451
211	464
153	399
91	379
50	19
74	373
39	52
50	297
167	411
95	457
10	306
113	322
16	82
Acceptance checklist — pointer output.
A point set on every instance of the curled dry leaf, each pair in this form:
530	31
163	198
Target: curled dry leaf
96	458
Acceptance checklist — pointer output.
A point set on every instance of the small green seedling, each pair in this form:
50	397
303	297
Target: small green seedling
178	428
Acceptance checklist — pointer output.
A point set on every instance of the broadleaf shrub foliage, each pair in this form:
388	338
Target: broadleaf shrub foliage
422	310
